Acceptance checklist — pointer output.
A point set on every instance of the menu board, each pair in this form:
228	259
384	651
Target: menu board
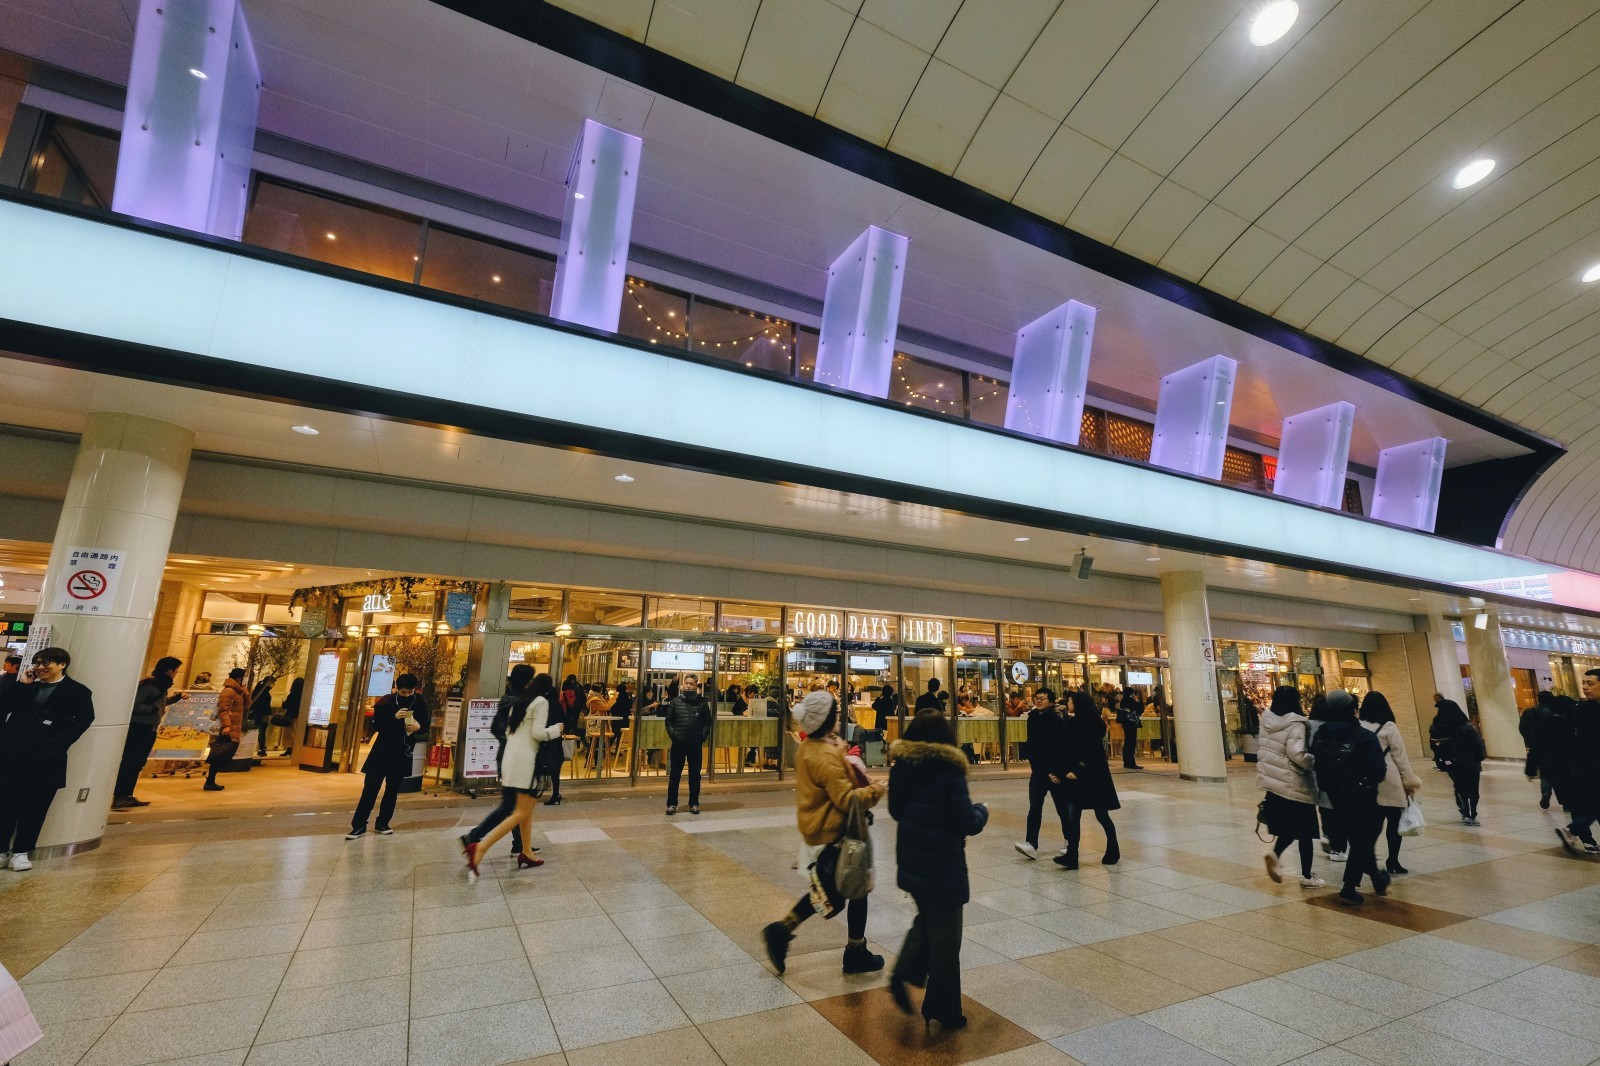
677	660
324	689
478	758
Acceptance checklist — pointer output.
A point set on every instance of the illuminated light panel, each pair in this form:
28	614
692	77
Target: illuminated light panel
1472	173
1273	22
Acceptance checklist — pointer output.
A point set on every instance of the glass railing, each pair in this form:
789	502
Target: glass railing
77	162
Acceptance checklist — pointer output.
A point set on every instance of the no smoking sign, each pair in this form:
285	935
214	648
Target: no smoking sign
91	581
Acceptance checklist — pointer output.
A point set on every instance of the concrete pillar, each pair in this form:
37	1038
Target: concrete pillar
1196	713
1402	671
1491	683
173	628
189	125
122	501
1445	660
596	228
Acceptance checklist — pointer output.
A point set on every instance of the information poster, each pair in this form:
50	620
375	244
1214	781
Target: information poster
478	759
185	729
92	577
381	683
324	689
452	719
38	640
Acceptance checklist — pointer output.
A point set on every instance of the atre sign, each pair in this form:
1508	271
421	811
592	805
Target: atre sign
376	603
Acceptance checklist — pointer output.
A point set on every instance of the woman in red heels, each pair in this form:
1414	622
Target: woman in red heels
527	726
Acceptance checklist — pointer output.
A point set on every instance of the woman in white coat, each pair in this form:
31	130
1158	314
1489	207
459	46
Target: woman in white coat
526	728
1283	770
1399	783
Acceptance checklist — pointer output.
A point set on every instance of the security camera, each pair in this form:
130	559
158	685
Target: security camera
1082	565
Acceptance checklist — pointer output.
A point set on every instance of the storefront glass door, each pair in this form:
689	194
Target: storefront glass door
749	741
977	701
916	670
608	672
666	664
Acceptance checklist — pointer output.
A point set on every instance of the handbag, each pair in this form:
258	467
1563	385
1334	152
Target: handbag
853	872
223	750
1411	820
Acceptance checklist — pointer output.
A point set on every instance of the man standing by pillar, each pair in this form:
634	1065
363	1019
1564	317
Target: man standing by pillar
41	716
149	702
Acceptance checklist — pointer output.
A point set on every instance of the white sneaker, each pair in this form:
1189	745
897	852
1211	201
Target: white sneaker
19	862
1313	882
1026	850
1274	869
1338	856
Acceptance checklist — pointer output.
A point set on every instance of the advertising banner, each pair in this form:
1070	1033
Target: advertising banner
185	730
478	759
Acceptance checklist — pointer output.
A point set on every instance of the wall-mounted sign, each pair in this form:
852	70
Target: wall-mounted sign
1020	672
1141	677
381	681
376	603
1306	661
92	577
976	640
837	625
868	664
924	630
458	609
1264	653
313	621
1063	644
736	662
1230	656
662	659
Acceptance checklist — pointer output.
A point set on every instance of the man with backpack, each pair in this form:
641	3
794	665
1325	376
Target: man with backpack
1349	765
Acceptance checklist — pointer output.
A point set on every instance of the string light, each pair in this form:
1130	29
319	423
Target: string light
770	332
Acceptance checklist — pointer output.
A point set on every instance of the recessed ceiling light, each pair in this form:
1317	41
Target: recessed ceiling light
1273	21
197	72
1152	558
626	479
1592	274
577	196
1472	173
1020	540
310	431
330	236
496	279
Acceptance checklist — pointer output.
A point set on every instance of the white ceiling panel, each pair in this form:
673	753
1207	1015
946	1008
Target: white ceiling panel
792	50
711	34
943	114
871	82
1160	221
921	23
1071	50
1203	242
1007	143
988	38
1112	200
1062	174
1239	266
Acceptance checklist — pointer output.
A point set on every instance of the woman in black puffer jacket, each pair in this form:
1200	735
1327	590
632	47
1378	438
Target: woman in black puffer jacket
1089	784
928	797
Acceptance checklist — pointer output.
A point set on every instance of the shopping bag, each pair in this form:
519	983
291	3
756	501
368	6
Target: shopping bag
1411	821
19	1029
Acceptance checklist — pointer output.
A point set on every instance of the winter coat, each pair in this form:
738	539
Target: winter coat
1538	726
928	797
232	701
1367	761
1461	747
391	746
1284	765
149	701
1399	777
688	718
823	788
1047	742
1090	786
521	756
1578	775
34	739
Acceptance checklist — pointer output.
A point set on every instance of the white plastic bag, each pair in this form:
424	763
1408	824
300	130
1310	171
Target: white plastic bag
19	1030
1411	820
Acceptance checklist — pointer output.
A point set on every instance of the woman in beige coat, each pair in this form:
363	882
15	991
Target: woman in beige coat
1399	783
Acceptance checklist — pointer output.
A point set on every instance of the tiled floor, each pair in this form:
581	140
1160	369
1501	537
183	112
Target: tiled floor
251	932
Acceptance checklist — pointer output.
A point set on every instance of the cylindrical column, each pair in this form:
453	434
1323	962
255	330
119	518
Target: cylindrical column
120	508
1491	683
1446	663
1196	714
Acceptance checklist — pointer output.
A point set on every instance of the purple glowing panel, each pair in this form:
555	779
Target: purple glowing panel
861	314
1314	454
1407	489
596	227
1049	372
1192	415
189	125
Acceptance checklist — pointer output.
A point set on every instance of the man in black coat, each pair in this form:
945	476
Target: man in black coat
1537	726
150	701
1578	783
688	722
41	716
396	719
1047	759
1350	764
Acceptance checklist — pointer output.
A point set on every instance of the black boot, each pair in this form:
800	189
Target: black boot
777	937
1067	860
857	959
1113	853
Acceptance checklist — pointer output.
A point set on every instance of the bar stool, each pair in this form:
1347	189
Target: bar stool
594	736
624	752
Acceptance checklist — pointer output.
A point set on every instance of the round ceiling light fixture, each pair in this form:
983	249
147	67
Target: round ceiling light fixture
309	431
626	479
1273	21
197	72
1592	274
1472	173
1020	540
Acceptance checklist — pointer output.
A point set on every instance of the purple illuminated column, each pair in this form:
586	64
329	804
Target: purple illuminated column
1192	416
1407	489
1314	454
861	313
189	125
1049	373
596	225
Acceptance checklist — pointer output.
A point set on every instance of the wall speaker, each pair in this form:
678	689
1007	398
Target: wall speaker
1082	565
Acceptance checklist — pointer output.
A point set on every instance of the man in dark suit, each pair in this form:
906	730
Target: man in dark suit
41	716
395	719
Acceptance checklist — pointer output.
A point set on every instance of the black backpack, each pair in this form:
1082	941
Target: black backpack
1343	763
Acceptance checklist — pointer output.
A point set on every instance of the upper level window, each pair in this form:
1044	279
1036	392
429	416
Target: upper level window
488	271
316	226
73	161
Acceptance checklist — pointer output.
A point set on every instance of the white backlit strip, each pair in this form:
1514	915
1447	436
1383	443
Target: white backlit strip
76	274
